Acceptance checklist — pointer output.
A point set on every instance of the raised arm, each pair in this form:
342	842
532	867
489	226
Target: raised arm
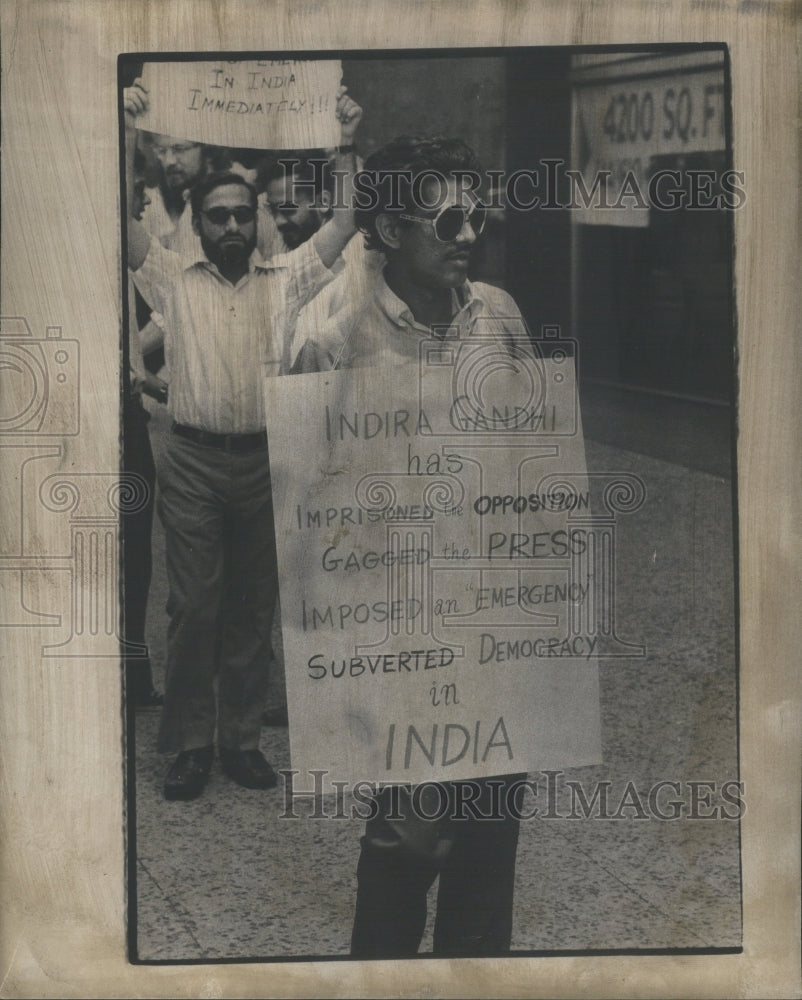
135	101
331	239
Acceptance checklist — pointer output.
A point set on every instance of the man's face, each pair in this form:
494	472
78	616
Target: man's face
181	161
141	197
296	225
427	260
224	240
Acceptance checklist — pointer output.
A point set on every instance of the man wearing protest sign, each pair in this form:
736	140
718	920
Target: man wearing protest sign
427	231
227	317
424	283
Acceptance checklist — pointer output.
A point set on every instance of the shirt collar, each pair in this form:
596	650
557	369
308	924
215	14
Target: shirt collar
255	262
464	299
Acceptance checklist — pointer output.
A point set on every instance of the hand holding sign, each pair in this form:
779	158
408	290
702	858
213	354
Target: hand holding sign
135	103
349	114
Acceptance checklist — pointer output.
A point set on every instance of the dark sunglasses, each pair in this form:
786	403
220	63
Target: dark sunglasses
450	219
219	216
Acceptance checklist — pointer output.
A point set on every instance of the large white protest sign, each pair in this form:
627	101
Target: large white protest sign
436	556
257	103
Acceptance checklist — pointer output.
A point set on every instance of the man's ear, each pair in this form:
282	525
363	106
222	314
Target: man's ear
324	202
387	227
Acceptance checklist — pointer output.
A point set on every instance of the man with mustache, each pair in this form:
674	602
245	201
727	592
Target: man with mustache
422	214
167	215
299	196
299	192
422	221
227	316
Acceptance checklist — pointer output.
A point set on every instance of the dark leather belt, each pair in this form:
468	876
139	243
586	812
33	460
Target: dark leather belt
223	442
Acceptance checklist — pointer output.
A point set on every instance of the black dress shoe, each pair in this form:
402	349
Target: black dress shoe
248	768
188	774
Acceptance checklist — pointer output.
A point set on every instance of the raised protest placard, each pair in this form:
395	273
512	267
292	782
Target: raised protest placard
436	559
252	104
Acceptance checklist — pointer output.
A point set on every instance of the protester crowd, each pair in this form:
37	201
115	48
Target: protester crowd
243	266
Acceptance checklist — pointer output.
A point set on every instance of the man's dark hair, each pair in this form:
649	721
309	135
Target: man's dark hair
251	159
217	159
409	156
312	167
210	182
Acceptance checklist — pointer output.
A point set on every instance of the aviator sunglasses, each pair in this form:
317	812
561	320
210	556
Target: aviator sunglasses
450	219
219	216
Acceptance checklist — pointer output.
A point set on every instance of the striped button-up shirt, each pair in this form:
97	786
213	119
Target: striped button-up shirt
220	340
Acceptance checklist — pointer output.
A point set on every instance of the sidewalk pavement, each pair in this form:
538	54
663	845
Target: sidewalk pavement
225	877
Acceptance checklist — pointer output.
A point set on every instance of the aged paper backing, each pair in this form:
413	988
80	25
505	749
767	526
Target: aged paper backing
63	800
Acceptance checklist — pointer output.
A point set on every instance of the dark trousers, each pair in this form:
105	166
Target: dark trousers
400	859
137	528
217	511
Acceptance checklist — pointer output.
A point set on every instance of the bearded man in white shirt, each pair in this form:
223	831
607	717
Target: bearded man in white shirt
227	318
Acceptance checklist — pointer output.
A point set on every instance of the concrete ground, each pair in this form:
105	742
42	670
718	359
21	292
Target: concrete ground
226	877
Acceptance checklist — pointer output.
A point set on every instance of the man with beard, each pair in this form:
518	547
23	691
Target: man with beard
226	318
167	215
299	196
299	192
